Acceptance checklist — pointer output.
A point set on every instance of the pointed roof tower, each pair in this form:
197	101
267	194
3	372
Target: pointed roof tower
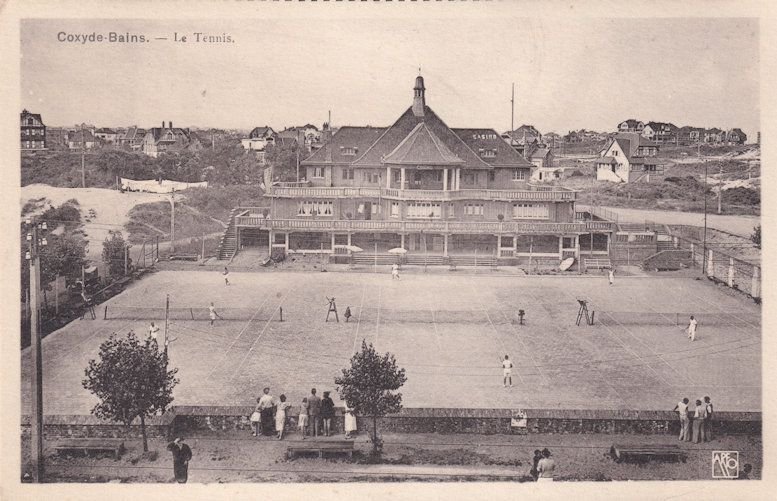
419	98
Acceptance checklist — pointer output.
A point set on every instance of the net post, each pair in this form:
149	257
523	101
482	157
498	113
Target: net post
280	310
593	314
191	312
105	313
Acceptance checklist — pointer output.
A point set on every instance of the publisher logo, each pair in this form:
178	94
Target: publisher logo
725	464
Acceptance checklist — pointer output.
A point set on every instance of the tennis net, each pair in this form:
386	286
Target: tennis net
113	312
678	319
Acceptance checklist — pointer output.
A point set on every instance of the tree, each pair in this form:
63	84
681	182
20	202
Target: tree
131	380
368	386
113	253
756	236
283	159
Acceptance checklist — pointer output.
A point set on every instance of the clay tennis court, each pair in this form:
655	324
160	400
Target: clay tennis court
449	331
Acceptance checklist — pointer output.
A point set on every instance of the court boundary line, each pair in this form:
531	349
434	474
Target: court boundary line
209	375
261	333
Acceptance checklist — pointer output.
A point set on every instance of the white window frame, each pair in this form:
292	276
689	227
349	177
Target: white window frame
318	173
394	209
519	175
525	210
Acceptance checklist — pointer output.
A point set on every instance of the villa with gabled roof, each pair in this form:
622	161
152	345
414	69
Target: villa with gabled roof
417	187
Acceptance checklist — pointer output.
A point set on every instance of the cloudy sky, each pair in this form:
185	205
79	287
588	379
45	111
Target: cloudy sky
568	73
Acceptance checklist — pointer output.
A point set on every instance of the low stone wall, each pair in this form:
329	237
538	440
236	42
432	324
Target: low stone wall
205	420
88	426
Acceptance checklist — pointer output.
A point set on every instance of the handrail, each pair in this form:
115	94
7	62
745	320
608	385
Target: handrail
549	194
493	227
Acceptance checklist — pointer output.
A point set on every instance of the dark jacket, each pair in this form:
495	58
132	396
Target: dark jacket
327	408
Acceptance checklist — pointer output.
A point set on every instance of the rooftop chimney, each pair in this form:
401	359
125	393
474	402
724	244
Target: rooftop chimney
163	124
419	100
171	124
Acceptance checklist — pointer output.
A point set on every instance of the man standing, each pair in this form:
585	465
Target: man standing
699	415
395	271
707	436
611	275
267	414
692	329
314	403
213	313
682	409
182	454
507	367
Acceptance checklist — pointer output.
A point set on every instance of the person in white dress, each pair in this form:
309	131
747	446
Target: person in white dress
507	366
395	271
280	416
153	331
692	329
350	421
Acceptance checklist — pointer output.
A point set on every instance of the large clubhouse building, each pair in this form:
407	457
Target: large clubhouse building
421	186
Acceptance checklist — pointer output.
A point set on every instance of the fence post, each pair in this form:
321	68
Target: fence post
693	255
755	286
710	264
731	272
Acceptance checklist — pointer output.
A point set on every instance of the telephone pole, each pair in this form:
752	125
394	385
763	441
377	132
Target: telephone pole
36	241
512	114
83	150
172	221
704	246
720	188
167	317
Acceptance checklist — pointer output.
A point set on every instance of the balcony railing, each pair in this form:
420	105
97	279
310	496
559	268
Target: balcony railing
539	194
487	227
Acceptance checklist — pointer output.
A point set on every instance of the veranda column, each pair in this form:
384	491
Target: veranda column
388	177
402	179
445	180
286	242
333	241
445	245
458	178
402	240
349	239
270	236
498	244
561	247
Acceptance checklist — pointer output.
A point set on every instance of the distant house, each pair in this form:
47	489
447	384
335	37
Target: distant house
627	158
308	135
80	139
713	136
169	139
631	125
551	139
56	138
696	134
107	136
33	131
573	137
542	160
736	136
132	138
525	134
683	135
659	132
259	138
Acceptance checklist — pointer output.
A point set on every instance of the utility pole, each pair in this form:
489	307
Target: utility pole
36	411
167	317
512	114
172	221
704	246
297	165
83	150
720	188
126	248
203	246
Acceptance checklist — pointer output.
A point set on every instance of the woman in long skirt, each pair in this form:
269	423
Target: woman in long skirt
280	416
350	421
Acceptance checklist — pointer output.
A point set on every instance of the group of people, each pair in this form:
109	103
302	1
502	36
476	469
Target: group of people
696	423
543	465
271	416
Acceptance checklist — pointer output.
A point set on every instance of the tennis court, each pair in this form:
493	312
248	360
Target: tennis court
450	332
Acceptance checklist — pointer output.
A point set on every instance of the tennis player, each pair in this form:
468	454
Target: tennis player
507	366
692	329
213	314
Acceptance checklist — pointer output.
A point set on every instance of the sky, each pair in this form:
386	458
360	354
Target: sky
568	73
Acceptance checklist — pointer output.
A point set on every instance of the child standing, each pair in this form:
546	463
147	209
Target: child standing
303	417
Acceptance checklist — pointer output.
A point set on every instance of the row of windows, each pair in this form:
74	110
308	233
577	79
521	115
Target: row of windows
423	209
473	209
315	208
487	153
434	210
33	144
530	211
434	175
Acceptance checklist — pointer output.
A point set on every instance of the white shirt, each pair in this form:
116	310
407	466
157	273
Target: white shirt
265	402
507	364
153	331
395	268
682	408
692	325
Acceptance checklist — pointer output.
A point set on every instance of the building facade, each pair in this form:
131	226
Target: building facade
33	131
419	186
627	158
168	139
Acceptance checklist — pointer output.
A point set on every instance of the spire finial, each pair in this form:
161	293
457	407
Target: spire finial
419	70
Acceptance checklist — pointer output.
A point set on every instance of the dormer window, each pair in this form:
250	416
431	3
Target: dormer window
487	153
348	150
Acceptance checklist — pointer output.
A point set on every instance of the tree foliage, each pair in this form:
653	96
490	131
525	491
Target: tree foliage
282	158
756	236
113	253
369	386
131	380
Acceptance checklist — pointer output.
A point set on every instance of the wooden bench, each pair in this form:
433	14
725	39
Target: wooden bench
184	257
598	264
344	446
646	452
90	445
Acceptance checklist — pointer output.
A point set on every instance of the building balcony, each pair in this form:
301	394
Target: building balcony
431	226
544	194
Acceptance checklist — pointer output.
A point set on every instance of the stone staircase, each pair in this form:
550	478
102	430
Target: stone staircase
228	241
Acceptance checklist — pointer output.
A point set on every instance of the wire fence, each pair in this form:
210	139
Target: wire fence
677	319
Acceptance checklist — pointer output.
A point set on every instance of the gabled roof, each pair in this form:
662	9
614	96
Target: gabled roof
133	133
631	122
540	153
629	142
105	130
81	136
359	138
26	113
404	126
163	135
506	156
260	131
421	146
